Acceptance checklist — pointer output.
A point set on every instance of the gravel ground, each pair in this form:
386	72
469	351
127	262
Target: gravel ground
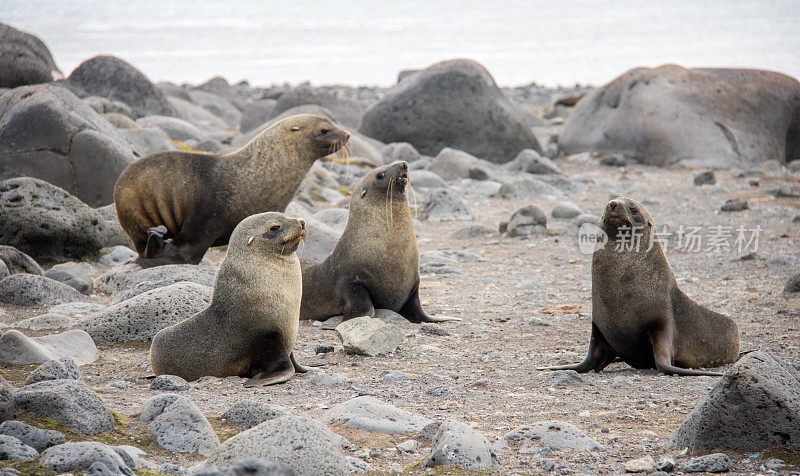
525	304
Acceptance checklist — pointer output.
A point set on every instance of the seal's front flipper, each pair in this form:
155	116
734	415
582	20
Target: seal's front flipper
412	310
155	241
274	368
297	367
599	356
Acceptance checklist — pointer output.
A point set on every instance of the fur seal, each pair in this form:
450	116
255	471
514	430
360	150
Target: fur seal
198	199
639	314
375	264
251	325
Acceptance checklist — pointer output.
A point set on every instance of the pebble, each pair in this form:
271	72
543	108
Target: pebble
369	336
169	383
735	205
323	349
644	464
705	178
713	463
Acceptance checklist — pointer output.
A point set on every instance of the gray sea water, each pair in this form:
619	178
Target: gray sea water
366	42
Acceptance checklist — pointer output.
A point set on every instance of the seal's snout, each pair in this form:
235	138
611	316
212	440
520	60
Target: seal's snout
614	206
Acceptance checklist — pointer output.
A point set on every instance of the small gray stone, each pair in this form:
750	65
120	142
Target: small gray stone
713	463
793	285
36	438
355	465
32	290
63	368
566	210
408	446
73	456
248	413
369	336
472	231
399	151
17	348
248	467
6	400
614	160
457	444
116	255
433	330
666	463
528	160
526	221
4	272
323	349
169	383
527	187
705	178
71	402
564	378
645	464
14	450
324	379
72	275
370	414
295	441
443	204
774	464
735	205
394	376
179	425
422	179
556	435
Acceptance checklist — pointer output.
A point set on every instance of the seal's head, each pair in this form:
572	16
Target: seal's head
318	133
383	183
624	215
269	233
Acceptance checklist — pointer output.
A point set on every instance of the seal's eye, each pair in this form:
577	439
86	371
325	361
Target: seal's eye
295	128
380	175
275	228
324	131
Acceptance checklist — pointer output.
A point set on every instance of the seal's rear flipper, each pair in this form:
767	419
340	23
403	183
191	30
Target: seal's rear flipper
297	367
155	241
743	353
270	378
663	358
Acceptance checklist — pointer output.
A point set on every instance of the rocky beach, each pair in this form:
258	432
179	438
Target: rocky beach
503	182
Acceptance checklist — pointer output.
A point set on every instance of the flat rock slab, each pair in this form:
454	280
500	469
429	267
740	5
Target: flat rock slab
140	318
17	348
457	444
179	425
369	336
556	435
31	290
370	414
759	385
71	402
83	454
304	445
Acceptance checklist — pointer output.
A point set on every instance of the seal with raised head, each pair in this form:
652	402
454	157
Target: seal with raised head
195	200
375	264
639	315
251	325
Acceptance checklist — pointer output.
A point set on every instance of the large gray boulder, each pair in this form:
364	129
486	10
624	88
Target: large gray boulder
48	133
454	104
256	113
370	414
697	117
131	277
115	79
179	425
760	386
24	59
82	455
345	111
17	348
71	402
6	400
457	444
48	223
305	445
32	290
218	106
140	318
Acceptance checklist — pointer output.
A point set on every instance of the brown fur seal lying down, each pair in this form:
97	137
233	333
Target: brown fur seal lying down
196	200
639	314
251	326
375	264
